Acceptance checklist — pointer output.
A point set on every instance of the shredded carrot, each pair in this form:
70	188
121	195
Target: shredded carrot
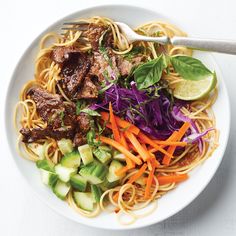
156	162
122	170
171	149
144	146
175	137
170	143
132	147
108	125
121	123
149	141
149	183
123	141
138	174
183	130
171	179
114	126
141	151
120	148
149	164
129	162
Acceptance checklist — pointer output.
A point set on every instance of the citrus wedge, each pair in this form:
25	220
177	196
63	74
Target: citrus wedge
193	90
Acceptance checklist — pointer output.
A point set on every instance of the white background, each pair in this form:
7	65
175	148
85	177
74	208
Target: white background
21	213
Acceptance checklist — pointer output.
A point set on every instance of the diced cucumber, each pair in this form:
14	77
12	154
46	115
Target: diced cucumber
61	189
97	192
141	181
48	178
84	200
71	160
78	182
86	153
64	173
105	185
94	172
38	149
45	165
65	146
119	157
105	148
102	155
114	166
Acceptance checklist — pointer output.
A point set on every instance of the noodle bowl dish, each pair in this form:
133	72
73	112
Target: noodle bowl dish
110	127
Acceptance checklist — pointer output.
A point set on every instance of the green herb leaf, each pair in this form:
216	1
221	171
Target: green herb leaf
190	68
90	137
150	72
90	112
62	115
135	51
78	107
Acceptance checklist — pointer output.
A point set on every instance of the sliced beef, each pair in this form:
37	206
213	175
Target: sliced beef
83	122
79	139
83	126
73	72
32	135
125	66
88	90
113	65
95	32
60	116
52	109
61	54
104	64
46	103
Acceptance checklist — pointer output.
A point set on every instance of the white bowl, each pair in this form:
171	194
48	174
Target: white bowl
169	204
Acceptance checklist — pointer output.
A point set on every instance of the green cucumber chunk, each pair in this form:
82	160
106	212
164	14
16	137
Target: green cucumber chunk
97	192
84	200
105	148
71	160
61	189
103	154
48	178
86	154
45	165
94	172
114	166
64	173
78	182
65	146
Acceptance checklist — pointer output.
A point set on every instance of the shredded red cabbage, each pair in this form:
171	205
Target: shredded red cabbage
153	114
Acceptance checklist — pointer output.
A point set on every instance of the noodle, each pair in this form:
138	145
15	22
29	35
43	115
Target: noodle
130	196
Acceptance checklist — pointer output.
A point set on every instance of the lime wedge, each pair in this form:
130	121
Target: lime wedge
193	90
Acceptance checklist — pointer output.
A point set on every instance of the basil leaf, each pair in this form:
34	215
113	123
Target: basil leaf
150	72
90	112
190	68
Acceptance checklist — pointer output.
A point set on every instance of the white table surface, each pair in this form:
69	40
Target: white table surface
21	213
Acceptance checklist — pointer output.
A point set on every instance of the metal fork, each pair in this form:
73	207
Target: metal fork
213	45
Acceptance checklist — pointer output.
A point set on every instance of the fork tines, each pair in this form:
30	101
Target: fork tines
76	23
74	26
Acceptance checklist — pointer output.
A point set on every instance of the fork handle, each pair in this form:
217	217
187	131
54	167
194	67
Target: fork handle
222	46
